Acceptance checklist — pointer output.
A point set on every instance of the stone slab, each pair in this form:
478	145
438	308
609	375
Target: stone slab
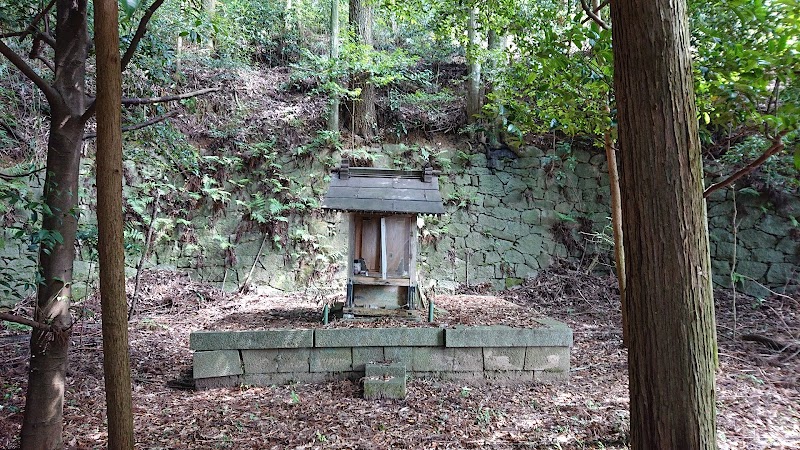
503	358
217	363
547	358
339	359
501	376
504	336
276	360
229	340
379	337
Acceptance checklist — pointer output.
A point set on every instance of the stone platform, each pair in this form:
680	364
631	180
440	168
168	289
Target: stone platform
493	353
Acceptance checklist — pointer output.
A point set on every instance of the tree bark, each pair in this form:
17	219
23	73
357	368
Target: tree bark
474	99
333	113
364	116
116	363
672	354
42	424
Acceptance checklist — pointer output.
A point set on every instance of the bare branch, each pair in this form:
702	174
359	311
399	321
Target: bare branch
23	321
47	37
10	34
168	98
592	13
140	30
777	145
49	92
46	62
22	175
32	26
138	126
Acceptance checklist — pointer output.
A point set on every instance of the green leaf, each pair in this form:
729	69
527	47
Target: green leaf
129	7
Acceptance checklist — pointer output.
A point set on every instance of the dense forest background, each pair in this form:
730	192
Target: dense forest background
235	113
232	168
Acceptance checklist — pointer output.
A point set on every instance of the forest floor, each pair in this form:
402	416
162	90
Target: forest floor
758	388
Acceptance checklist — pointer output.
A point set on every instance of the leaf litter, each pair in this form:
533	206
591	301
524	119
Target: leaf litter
758	387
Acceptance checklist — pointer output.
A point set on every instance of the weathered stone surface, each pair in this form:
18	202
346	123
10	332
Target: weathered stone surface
276	360
269	379
752	269
432	359
218	382
555	359
378	337
331	360
468	359
399	354
227	340
767	255
503	376
365	355
780	273
216	363
503	358
391	388
503	336
547	376
385	370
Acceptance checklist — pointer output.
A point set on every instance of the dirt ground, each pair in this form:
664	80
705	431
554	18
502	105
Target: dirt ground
758	387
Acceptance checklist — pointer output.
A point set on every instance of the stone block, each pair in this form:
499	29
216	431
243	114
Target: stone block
468	360
276	360
432	359
269	379
508	376
468	377
385	370
216	363
503	358
331	360
378	337
767	255
392	388
229	381
547	358
552	333
546	375
752	269
781	273
365	355
230	340
399	354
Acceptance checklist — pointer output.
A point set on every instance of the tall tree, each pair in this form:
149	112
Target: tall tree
474	97
70	108
672	353
333	53
116	362
364	119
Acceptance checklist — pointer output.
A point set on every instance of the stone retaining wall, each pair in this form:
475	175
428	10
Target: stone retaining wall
497	353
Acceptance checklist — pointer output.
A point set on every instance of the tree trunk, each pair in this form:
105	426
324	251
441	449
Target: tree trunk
333	114
42	424
116	363
672	354
616	228
474	98
364	116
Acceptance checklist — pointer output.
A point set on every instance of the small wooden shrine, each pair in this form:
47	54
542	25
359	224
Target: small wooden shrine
382	206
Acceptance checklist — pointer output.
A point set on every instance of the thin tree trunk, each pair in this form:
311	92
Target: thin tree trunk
616	228
672	354
42	424
333	114
474	99
364	116
116	362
